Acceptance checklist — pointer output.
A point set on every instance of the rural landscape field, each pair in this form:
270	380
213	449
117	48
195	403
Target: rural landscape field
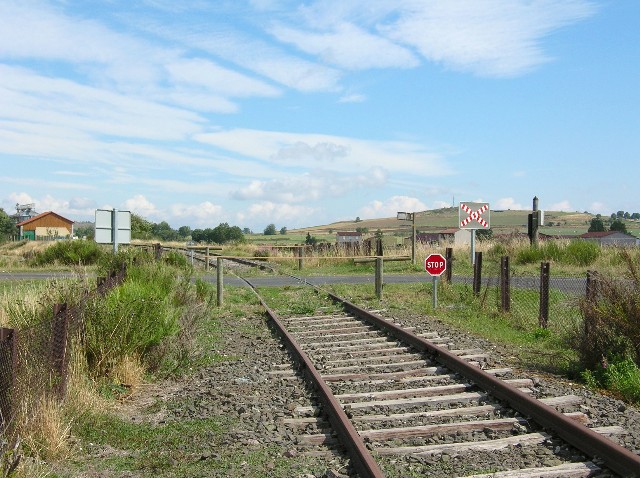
319	239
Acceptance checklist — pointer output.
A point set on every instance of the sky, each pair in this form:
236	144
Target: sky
302	113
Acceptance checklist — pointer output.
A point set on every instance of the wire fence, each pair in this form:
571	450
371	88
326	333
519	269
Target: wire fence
34	360
533	299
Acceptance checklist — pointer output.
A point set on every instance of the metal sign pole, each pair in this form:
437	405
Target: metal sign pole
435	292
473	246
114	230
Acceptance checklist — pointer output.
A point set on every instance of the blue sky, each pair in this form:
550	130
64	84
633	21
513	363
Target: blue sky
199	112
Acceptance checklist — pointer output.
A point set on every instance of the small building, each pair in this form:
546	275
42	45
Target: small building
47	225
446	236
348	237
611	238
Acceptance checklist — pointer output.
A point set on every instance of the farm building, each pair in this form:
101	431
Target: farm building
611	238
450	236
348	237
47	225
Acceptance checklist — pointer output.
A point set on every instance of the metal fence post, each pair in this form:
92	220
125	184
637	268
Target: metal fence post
58	348
543	318
379	265
219	279
448	257
592	285
8	366
505	284
477	273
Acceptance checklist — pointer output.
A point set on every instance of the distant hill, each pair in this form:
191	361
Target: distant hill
502	221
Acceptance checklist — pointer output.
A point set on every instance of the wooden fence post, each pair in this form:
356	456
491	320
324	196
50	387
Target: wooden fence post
300	257
219	279
379	266
543	318
448	257
505	284
477	273
206	259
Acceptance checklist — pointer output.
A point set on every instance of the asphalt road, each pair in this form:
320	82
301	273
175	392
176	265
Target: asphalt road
572	285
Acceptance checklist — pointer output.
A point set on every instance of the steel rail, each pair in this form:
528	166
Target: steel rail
614	456
362	460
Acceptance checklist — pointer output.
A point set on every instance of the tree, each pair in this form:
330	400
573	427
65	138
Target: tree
270	230
184	231
635	215
596	225
618	225
140	227
197	235
246	230
620	214
283	231
164	232
310	240
88	232
7	226
378	234
358	219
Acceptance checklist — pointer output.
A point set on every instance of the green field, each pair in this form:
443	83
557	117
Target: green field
502	222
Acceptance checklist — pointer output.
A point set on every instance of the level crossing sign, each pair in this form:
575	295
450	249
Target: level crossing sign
474	215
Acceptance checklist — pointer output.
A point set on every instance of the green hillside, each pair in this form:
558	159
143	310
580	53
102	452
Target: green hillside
502	221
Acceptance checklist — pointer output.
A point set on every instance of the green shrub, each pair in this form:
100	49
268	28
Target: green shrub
132	319
69	253
529	255
175	259
582	253
622	377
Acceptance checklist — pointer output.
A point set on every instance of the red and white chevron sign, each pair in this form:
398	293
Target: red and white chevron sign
474	219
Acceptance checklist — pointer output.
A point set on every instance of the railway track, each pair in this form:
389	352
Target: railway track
407	403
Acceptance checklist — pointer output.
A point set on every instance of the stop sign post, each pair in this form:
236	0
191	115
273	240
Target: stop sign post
435	265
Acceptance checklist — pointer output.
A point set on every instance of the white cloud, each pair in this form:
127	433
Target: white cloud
391	206
352	98
561	206
139	204
395	156
507	203
348	46
599	208
271	212
203	214
486	37
216	79
310	186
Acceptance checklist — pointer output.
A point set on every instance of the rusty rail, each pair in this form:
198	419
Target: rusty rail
614	456
362	460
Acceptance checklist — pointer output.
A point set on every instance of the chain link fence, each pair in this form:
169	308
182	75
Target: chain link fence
34	360
533	299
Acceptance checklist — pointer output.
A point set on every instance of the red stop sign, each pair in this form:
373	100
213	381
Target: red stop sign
435	264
